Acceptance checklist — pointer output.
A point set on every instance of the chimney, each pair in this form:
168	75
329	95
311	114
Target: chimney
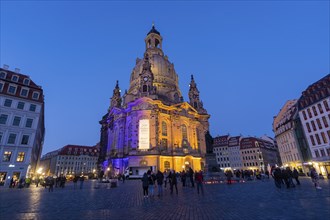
5	66
17	70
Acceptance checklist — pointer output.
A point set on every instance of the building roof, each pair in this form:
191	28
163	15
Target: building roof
315	93
234	141
77	150
220	141
23	81
153	30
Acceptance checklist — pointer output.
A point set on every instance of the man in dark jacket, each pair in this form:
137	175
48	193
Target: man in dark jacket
160	180
295	175
173	181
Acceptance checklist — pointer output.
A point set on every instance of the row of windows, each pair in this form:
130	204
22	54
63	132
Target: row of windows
253	164
315	112
288	158
12	138
252	157
319	124
7	155
14	78
318	139
16	121
20	105
77	163
12	89
76	158
224	165
321	152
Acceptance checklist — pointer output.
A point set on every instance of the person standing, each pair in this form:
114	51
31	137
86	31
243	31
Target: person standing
151	178
199	182
145	185
191	176
183	178
295	175
81	179
75	180
160	179
315	178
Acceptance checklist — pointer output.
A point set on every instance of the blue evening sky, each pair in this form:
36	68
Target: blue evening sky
248	57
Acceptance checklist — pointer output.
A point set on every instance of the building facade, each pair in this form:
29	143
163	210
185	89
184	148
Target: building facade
245	153
286	137
314	113
70	160
220	148
22	126
150	126
258	154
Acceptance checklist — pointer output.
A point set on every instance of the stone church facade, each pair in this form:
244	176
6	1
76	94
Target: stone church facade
150	125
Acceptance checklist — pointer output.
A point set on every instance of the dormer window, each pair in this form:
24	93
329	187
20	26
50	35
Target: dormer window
3	75
26	81
24	92
14	78
35	95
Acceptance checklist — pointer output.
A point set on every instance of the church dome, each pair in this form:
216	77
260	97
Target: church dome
165	78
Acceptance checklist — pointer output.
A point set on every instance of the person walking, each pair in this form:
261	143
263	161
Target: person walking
173	181
199	182
160	179
51	182
277	175
145	185
295	175
315	178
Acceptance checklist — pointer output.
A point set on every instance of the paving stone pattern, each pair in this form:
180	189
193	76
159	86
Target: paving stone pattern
249	201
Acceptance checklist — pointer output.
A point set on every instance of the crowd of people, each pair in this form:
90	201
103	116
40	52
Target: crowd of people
152	181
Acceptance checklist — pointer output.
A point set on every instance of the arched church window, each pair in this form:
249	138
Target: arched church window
149	43
195	104
164	128
184	132
157	43
145	88
167	165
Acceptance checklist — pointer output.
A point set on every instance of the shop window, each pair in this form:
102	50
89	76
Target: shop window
6	156
20	157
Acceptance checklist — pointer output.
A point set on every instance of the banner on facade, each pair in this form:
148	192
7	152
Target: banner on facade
144	139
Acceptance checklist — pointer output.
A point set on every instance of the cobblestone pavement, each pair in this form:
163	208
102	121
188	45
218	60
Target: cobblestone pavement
249	200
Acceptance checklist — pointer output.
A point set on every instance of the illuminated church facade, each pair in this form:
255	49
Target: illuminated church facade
150	126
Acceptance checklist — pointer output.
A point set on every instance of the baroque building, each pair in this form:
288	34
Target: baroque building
151	126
